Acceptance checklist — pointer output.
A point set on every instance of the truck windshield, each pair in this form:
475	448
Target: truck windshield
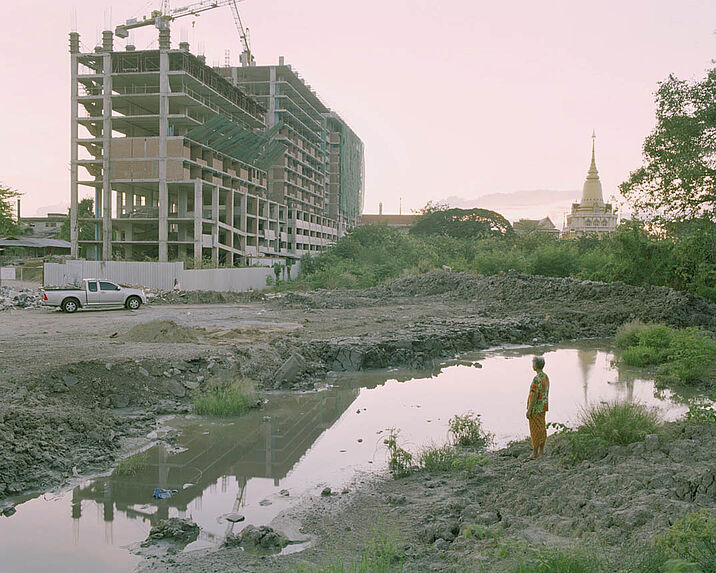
92	287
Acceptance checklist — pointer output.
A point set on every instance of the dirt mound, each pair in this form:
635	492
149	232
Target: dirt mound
427	284
162	331
198	297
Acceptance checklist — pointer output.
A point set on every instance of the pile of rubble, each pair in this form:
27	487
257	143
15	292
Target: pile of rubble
19	298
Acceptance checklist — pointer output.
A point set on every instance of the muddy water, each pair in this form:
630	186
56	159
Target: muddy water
260	464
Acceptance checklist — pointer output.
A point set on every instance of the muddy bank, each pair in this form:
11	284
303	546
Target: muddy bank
476	313
492	518
103	377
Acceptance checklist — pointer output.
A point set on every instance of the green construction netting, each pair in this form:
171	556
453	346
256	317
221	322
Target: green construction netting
241	142
350	201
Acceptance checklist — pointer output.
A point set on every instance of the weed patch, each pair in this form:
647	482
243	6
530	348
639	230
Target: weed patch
226	397
400	461
691	541
609	424
132	465
382	554
562	561
466	430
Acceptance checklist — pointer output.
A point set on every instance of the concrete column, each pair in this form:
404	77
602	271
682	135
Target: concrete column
106	156
271	119
198	207
74	201
215	225
163	131
230	222
182	201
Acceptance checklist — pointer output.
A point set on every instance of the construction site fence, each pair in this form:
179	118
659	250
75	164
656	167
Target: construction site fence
164	276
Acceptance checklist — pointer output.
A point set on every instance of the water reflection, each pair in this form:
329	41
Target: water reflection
296	445
263	444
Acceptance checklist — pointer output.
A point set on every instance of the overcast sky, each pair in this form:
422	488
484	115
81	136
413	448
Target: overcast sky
452	98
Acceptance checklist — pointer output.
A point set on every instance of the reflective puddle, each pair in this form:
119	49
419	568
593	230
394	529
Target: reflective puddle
260	464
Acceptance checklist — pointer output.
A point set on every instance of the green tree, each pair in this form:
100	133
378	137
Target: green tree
85	208
462	223
8	225
678	178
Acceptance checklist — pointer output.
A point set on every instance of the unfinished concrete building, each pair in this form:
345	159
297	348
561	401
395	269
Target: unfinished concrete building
321	176
191	163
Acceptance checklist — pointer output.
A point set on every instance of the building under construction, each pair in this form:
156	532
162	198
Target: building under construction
231	166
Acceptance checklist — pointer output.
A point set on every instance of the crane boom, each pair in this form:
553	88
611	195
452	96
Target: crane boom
161	21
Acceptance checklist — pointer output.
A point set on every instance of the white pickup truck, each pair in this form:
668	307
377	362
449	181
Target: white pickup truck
94	293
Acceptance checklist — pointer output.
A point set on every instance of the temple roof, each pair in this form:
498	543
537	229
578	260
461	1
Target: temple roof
592	190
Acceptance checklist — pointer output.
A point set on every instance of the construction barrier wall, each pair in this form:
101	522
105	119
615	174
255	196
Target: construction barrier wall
163	276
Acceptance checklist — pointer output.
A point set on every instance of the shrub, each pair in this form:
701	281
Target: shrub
132	465
628	334
466	430
226	397
619	423
692	540
686	355
643	356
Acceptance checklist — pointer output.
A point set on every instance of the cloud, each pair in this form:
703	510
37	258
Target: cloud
525	204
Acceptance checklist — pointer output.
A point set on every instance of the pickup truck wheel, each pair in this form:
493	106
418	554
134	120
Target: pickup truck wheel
133	303
70	305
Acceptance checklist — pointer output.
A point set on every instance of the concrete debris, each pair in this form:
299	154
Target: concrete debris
19	298
290	370
173	529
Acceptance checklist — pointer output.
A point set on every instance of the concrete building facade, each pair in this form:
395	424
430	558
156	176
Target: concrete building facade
321	176
188	163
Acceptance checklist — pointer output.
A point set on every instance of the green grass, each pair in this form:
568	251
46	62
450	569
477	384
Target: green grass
382	554
685	355
562	561
226	397
132	465
619	423
604	425
692	540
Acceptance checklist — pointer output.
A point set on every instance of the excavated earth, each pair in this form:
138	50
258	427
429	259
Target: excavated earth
77	391
497	516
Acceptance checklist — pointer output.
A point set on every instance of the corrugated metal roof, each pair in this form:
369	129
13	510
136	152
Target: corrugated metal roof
34	242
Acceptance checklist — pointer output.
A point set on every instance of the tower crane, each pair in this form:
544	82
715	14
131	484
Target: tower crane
162	18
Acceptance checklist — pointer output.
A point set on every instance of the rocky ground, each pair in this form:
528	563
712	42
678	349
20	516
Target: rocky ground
78	390
502	514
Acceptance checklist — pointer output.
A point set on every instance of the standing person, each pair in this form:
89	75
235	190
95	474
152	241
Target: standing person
537	405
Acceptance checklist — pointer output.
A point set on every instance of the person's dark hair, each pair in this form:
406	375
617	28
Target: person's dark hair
538	361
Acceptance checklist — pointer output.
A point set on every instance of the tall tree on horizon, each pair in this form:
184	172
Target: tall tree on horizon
8	225
678	179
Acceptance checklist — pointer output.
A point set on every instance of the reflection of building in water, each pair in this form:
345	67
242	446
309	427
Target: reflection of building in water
265	444
587	360
625	379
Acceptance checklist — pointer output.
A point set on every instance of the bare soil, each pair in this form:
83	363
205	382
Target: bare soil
76	389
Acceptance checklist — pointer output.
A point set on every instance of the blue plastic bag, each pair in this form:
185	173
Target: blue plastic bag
160	493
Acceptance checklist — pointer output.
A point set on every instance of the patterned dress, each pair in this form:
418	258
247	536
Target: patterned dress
538	427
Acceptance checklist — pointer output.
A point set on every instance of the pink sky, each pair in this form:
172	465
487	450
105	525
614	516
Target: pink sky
454	98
